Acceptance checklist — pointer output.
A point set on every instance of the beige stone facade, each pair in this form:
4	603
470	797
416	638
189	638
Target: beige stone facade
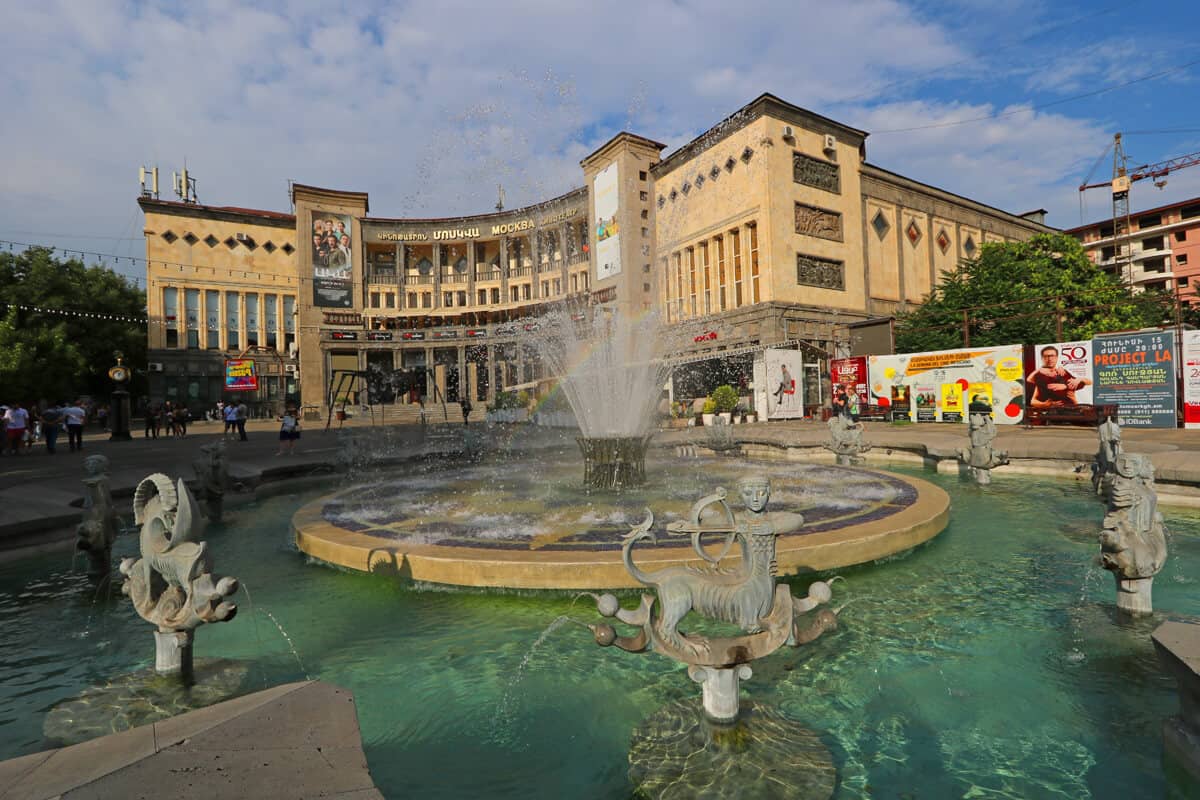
770	229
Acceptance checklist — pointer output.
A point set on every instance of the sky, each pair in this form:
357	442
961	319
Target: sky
429	105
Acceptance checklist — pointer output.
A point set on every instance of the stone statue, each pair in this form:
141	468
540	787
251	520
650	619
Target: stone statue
1133	544
845	440
172	585
98	530
1109	432
981	458
212	476
744	595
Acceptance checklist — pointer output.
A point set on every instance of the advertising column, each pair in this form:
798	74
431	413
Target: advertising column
1191	379
1137	372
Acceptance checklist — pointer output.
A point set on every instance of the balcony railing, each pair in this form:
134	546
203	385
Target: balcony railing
414	280
381	277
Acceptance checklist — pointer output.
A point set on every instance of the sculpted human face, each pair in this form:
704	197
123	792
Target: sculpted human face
755	496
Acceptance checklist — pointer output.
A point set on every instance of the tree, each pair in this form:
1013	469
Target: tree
60	322
1042	290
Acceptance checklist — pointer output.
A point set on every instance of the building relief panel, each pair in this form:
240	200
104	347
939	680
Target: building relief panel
816	173
819	222
823	273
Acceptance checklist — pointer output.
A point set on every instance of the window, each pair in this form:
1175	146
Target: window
232	321
271	314
412	300
643	196
641	175
754	291
1181	259
171	315
374	299
447	299
707	283
514	293
677	270
528	291
1190	212
426	299
1181	236
1181	281
289	314
191	301
460	298
735	249
389	301
720	245
645	232
212	319
496	296
252	329
482	295
574	283
558	286
545	288
645	213
1149	221
691	262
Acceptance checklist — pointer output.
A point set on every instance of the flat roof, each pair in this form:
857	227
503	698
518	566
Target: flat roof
1156	210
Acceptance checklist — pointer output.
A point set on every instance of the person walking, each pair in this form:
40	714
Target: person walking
16	420
181	420
152	413
466	409
229	412
75	417
52	418
852	403
240	419
289	432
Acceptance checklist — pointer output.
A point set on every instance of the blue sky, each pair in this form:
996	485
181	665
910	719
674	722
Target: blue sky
428	105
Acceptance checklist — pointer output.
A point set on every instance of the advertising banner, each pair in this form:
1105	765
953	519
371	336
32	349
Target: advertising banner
1062	377
784	400
240	375
332	260
1191	379
940	385
1136	371
850	375
608	234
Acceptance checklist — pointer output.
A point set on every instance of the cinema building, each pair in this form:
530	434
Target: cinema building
771	231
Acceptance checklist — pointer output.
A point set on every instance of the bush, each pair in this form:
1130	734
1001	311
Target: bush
710	407
725	398
506	400
522	399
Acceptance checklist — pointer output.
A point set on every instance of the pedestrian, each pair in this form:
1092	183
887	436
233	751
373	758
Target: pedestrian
75	417
289	432
52	418
240	420
466	409
152	421
16	420
229	412
102	417
852	404
181	420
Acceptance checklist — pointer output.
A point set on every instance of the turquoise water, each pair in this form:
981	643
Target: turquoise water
987	663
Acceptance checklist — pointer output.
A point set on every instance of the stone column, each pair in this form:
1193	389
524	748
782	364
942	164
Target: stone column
437	275
173	655
535	248
504	269
720	689
491	367
471	256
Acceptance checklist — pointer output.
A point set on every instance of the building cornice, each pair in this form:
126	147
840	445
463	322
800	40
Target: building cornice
337	196
274	219
495	216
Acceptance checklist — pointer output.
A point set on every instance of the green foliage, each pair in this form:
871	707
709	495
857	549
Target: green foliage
710	406
725	397
522	399
48	356
506	400
1016	292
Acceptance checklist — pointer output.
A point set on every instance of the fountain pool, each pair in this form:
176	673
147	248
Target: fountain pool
988	662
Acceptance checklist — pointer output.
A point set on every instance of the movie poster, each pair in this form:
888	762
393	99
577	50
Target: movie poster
901	402
1191	379
979	395
926	375
850	375
608	234
784	398
332	260
240	375
1062	375
1137	372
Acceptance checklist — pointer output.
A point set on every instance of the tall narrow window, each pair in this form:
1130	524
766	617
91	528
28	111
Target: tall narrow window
707	281
252	320
735	248
677	269
171	315
271	314
721	282
755	296
289	323
191	300
691	257
212	319
232	321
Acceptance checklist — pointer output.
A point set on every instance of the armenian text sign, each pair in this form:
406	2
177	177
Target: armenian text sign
1191	379
1137	372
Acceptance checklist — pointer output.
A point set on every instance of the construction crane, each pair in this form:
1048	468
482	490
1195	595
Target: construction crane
1122	179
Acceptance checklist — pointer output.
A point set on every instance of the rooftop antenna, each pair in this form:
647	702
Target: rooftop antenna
152	174
499	197
185	185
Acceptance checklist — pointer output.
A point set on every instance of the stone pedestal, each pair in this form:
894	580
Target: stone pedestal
119	417
983	477
1178	648
173	654
1134	596
844	460
720	689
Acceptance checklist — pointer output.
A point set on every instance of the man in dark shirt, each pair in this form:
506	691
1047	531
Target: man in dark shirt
1052	385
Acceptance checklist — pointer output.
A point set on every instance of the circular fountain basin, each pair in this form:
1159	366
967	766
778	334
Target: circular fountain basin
535	527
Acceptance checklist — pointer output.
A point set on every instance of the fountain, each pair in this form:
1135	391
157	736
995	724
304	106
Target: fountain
212	478
96	533
612	375
1133	544
745	596
1109	432
981	458
172	585
845	440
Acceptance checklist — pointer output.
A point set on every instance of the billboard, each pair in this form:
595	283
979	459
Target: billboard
240	375
332	260
1062	375
1191	379
1137	372
608	233
940	386
784	397
850	374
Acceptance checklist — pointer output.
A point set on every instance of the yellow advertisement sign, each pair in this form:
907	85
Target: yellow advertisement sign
979	393
952	402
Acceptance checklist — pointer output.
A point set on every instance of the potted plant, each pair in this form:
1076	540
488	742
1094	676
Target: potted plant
679	415
750	415
725	398
709	412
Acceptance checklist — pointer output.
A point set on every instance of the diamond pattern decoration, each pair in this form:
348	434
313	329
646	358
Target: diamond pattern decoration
747	154
943	241
730	164
699	181
287	248
230	242
715	172
969	247
880	224
269	247
913	233
170	237
662	201
190	238
687	187
673	195
211	240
